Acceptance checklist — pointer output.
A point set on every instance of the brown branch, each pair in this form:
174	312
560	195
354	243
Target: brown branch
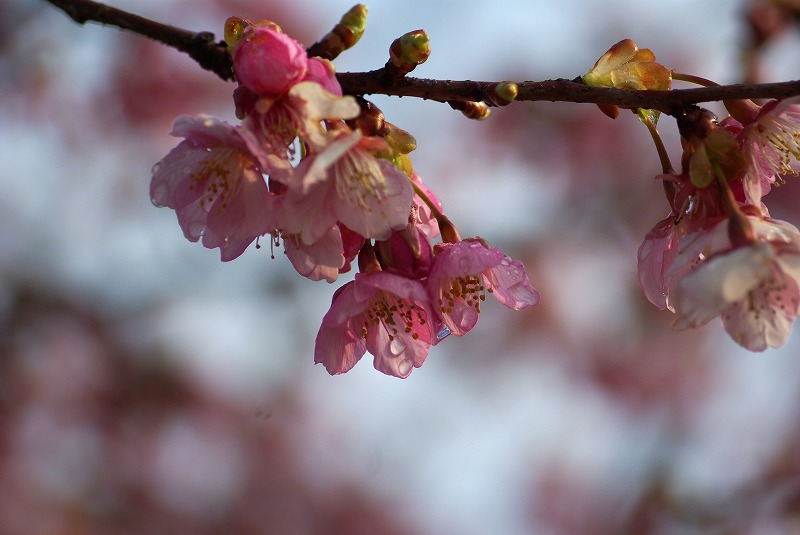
376	82
201	46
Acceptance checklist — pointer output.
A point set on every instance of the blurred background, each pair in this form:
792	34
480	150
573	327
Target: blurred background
147	387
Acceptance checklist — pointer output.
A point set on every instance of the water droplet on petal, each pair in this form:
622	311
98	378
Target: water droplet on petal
404	367
397	346
444	333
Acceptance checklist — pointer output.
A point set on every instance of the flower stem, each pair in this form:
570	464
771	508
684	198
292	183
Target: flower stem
692	79
666	164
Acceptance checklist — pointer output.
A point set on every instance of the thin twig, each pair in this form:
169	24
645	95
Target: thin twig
201	46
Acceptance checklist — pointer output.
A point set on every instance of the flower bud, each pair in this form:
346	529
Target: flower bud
448	229
352	25
343	36
471	110
370	121
267	61
234	27
625	66
501	93
367	261
408	51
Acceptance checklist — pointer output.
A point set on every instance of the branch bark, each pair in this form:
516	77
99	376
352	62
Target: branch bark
213	56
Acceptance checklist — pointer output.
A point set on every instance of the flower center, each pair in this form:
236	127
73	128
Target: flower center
395	314
213	174
360	180
468	289
779	141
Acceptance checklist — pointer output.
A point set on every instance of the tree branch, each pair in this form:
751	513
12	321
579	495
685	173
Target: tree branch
213	56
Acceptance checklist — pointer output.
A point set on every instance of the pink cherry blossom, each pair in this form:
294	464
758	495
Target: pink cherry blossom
323	259
464	272
385	314
277	122
267	61
213	181
346	184
753	287
658	250
772	141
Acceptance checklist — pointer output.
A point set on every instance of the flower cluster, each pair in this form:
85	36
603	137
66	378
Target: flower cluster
719	253
324	175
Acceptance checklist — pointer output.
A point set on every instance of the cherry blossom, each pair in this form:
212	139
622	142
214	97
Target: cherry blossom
753	287
772	141
383	313
213	181
462	274
346	184
658	250
322	259
276	122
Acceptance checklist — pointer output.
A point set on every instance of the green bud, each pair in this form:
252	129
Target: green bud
234	27
344	35
355	22
408	51
501	93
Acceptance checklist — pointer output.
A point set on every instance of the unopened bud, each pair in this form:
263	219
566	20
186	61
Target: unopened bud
625	66
408	51
501	93
353	24
343	36
448	229
367	260
370	121
471	110
234	27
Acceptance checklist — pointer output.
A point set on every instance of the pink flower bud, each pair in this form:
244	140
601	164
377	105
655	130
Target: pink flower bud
267	61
